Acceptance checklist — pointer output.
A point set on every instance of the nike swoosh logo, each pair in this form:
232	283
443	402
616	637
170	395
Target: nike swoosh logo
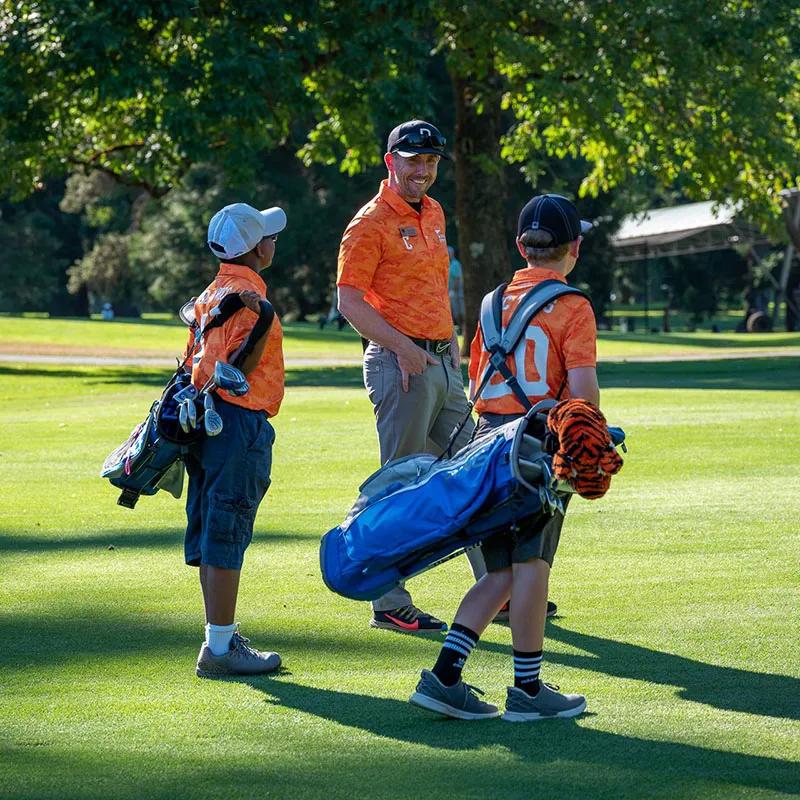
409	626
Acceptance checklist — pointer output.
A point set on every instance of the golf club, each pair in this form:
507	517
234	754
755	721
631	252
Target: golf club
229	378
183	417
211	419
191	411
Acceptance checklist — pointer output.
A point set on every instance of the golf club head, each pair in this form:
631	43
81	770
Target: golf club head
191	409
183	417
212	422
186	312
188	392
230	379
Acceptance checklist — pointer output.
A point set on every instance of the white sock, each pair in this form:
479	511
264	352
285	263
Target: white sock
219	638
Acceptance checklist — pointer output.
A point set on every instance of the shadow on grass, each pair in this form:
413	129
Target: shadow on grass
549	743
753	374
118	538
722	687
93	376
690	341
557	758
744	374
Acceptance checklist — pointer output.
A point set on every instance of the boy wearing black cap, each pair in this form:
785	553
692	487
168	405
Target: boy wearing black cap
555	359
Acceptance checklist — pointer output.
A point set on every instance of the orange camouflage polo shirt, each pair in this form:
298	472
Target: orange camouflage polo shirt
398	258
562	336
266	380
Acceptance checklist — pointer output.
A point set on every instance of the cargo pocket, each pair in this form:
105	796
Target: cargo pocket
231	519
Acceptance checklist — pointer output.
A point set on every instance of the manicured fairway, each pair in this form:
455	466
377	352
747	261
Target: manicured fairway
677	593
161	336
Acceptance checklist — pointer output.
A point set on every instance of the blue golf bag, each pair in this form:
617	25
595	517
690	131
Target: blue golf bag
417	512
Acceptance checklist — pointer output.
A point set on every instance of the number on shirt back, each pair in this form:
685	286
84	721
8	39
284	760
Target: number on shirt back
532	388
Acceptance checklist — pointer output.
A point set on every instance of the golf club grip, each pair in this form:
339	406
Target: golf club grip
262	325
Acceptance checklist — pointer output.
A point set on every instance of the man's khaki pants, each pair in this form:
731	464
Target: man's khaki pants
420	420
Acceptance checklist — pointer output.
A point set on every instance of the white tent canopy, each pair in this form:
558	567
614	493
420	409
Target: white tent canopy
682	230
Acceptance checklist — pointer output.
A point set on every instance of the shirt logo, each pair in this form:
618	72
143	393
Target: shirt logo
441	236
407	233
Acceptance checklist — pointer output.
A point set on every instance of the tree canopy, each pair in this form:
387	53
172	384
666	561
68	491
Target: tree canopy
698	96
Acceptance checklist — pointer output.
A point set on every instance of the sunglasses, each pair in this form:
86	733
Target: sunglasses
422	140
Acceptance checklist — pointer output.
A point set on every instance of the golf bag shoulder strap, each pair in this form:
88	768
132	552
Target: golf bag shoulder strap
491	319
500	342
536	299
262	325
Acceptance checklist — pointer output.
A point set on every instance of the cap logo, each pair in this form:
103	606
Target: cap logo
425	132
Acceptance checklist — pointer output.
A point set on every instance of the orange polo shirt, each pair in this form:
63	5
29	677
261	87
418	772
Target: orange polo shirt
266	379
562	336
398	258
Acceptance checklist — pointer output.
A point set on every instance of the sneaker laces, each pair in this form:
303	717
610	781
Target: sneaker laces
410	612
241	644
474	689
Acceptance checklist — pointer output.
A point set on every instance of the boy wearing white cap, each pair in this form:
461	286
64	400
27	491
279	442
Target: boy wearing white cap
229	474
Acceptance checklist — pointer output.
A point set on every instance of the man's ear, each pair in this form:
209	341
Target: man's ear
388	159
521	249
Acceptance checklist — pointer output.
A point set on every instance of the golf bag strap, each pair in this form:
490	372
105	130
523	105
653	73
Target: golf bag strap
259	329
500	343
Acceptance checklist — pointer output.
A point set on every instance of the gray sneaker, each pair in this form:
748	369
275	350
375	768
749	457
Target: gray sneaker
459	701
549	702
241	659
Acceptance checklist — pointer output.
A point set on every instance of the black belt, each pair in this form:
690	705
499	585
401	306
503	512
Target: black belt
439	347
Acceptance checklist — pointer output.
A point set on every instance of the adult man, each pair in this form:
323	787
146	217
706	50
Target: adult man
455	288
392	281
556	359
229	474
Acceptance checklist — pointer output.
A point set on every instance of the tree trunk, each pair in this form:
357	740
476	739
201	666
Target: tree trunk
480	191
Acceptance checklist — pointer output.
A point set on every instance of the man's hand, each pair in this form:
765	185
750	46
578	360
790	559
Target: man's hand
413	360
251	300
455	351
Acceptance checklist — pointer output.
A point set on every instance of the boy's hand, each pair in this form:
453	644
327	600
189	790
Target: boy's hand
251	299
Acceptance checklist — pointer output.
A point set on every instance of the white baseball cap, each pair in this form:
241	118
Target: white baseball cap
238	228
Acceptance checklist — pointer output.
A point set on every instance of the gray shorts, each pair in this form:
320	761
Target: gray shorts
536	537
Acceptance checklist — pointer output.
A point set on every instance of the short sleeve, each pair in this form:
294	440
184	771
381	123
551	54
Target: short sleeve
359	254
580	341
475	350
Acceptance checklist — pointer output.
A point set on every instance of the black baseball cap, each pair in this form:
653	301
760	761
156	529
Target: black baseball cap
554	214
415	137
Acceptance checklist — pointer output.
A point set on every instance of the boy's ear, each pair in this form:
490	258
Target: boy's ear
575	247
521	249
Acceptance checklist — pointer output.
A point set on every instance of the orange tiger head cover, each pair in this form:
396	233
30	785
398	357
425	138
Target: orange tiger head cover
586	457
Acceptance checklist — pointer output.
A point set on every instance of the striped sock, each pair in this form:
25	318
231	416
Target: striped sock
457	646
526	671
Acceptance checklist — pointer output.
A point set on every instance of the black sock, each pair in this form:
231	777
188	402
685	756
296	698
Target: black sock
457	646
526	671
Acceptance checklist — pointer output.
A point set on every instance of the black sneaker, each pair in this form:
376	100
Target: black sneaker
502	614
408	619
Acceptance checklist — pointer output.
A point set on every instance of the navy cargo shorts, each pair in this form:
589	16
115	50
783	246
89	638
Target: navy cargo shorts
228	478
537	536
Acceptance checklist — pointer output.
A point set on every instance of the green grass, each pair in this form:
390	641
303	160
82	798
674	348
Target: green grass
159	336
677	596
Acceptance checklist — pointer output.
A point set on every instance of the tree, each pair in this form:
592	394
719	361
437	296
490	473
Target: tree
698	95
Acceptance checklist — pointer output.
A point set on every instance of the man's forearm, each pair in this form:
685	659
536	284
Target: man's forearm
369	323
